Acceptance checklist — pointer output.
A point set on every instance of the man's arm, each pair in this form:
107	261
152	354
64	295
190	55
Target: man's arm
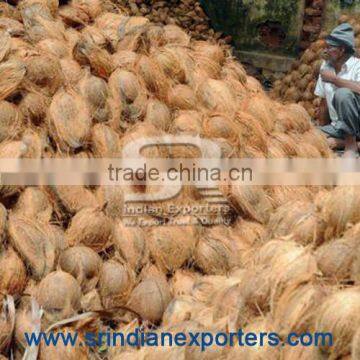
323	116
330	77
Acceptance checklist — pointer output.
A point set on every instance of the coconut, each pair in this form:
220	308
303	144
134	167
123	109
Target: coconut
175	35
131	244
92	8
73	198
69	119
182	97
12	273
105	141
251	201
340	209
93	35
319	141
61	351
83	264
187	122
10	120
250	232
116	282
33	203
90	227
3	223
292	117
33	107
5	44
216	95
71	70
151	296
59	295
35	242
91	301
339	315
24	323
298	221
297	307
215	252
125	59
182	282
300	352
180	309
54	47
335	258
282	194
111	199
158	114
7	322
109	24
12	73
233	69
355	348
171	247
72	16
285	142
12	26
153	76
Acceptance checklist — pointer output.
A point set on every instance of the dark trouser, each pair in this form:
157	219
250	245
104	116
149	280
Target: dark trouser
347	106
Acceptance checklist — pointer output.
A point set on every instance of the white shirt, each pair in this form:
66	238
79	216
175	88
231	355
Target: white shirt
349	71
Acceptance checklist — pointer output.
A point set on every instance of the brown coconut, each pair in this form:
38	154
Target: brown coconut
105	141
125	59
10	120
158	114
34	204
217	96
84	264
298	221
90	227
60	351
187	123
131	244
355	347
339	315
182	282
215	253
111	199
151	296
72	71
108	23
12	73
171	247
297	308
282	194
7	323
251	232
91	301
116	282
12	273
341	209
292	117
302	353
175	35
69	119
182	97
35	243
5	44
54	47
12	26
33	107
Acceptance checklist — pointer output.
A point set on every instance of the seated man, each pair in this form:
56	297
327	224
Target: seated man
339	85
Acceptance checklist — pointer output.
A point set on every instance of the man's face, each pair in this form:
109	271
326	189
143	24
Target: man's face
334	53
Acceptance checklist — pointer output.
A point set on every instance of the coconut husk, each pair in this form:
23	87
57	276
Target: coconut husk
212	51
297	307
158	114
111	199
71	70
215	253
91	301
339	315
250	201
105	141
125	59
84	264
59	295
34	203
292	117
73	16
250	232
36	143
253	86
13	149
12	26
175	35
92	8
131	244
3	224
33	107
182	282
335	258
91	34
298	221
171	247
187	122
154	78
340	209
54	47
35	242
302	353
109	24
7	10
234	70
7	323
12	73
12	274
61	351
72	198
10	121
69	119
5	45
90	227
285	143
99	60
117	280
182	97
318	139
217	96
355	347
151	296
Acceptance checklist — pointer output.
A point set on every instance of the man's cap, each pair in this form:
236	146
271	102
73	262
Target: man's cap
342	35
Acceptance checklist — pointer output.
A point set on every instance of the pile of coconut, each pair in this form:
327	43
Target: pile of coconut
84	82
299	84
